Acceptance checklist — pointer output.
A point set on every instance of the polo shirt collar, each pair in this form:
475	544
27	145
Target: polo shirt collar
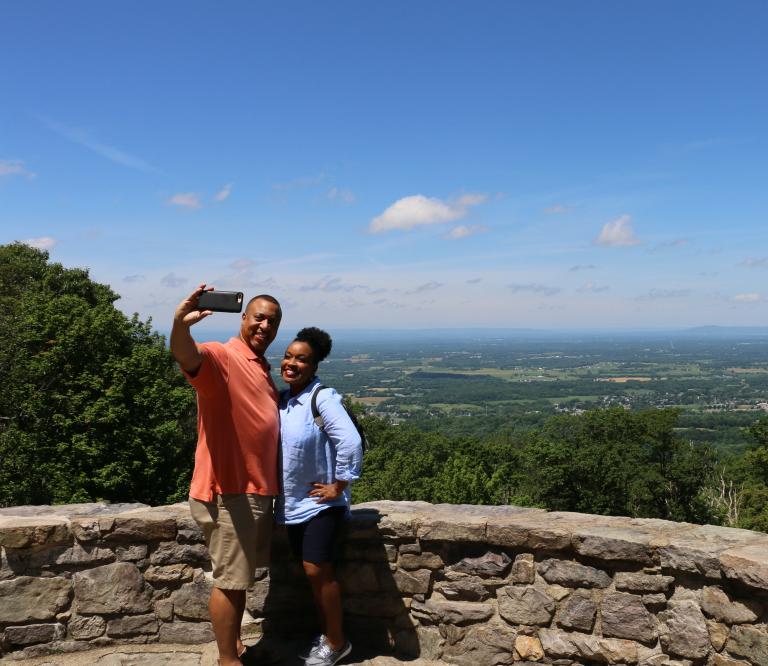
243	349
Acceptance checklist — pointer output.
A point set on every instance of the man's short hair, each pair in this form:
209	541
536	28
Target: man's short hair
265	297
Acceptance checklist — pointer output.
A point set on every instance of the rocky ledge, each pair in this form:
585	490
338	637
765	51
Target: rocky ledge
455	584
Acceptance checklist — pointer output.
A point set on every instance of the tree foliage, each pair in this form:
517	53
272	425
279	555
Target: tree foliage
91	404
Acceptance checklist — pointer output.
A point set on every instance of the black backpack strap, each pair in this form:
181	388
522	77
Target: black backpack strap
316	416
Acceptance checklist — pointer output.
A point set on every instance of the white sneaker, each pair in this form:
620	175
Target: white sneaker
317	641
326	656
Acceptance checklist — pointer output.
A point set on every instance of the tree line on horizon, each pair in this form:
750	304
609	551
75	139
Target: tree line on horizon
93	408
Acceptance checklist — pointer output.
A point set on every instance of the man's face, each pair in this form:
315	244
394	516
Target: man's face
259	326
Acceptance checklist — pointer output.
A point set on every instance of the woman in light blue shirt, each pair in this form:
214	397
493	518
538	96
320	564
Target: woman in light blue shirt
317	466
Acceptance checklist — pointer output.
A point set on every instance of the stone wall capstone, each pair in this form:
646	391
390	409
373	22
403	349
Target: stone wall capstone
465	585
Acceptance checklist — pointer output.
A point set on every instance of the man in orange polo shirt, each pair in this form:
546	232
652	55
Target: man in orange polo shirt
235	476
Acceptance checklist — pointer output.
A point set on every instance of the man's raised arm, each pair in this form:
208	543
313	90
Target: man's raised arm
183	346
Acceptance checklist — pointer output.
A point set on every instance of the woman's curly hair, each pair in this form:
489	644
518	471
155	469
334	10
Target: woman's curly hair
318	340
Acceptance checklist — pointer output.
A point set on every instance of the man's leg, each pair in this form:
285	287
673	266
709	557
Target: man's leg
227	607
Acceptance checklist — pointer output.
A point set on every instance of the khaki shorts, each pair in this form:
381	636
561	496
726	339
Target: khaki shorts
238	533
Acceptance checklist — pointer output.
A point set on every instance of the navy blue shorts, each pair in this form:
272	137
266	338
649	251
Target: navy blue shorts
313	540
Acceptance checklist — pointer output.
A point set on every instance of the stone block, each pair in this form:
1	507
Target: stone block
358	578
75	555
86	627
578	612
724	660
750	643
451	612
625	616
132	553
613	543
170	552
358	550
489	565
412	582
141	526
529	648
171	573
683	631
164	609
469	588
642	583
463	529
85	529
190	601
132	625
747	564
421	561
718	634
717	604
523	569
111	588
31	634
256	598
572	574
566	645
525	605
374	606
27	598
410	548
186	633
34	533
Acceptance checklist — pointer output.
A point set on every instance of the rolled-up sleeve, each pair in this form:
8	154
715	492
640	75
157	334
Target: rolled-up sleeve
342	434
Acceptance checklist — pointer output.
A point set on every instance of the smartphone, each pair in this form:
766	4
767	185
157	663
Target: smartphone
221	301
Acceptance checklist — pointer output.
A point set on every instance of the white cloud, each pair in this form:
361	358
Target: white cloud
475	281
134	278
748	298
84	139
557	209
463	230
242	263
618	233
592	288
417	210
223	193
342	195
534	288
582	267
41	243
755	262
188	200
172	280
15	168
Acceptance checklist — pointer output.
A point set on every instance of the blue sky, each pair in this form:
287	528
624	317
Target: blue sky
398	164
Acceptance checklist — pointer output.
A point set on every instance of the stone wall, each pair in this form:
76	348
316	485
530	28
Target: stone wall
457	584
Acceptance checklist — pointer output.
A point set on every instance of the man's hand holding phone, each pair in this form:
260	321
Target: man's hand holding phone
188	312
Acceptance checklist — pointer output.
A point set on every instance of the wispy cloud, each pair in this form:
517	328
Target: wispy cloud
755	262
172	280
138	277
463	230
223	193
618	233
41	243
662	294
748	298
670	245
475	281
188	200
15	168
592	288
418	210
427	286
557	209
332	283
83	138
582	267
534	288
341	194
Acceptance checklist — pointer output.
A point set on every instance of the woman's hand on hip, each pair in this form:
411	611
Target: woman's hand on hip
325	492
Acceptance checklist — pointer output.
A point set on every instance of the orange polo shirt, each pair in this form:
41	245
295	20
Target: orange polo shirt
237	422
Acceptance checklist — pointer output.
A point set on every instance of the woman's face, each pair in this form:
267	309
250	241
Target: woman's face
298	366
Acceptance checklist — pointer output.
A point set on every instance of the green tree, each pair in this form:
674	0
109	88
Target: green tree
91	404
752	473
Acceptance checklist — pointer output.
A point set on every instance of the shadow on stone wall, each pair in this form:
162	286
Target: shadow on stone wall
376	618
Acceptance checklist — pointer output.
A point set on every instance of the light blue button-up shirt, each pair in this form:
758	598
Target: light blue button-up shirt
310	455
